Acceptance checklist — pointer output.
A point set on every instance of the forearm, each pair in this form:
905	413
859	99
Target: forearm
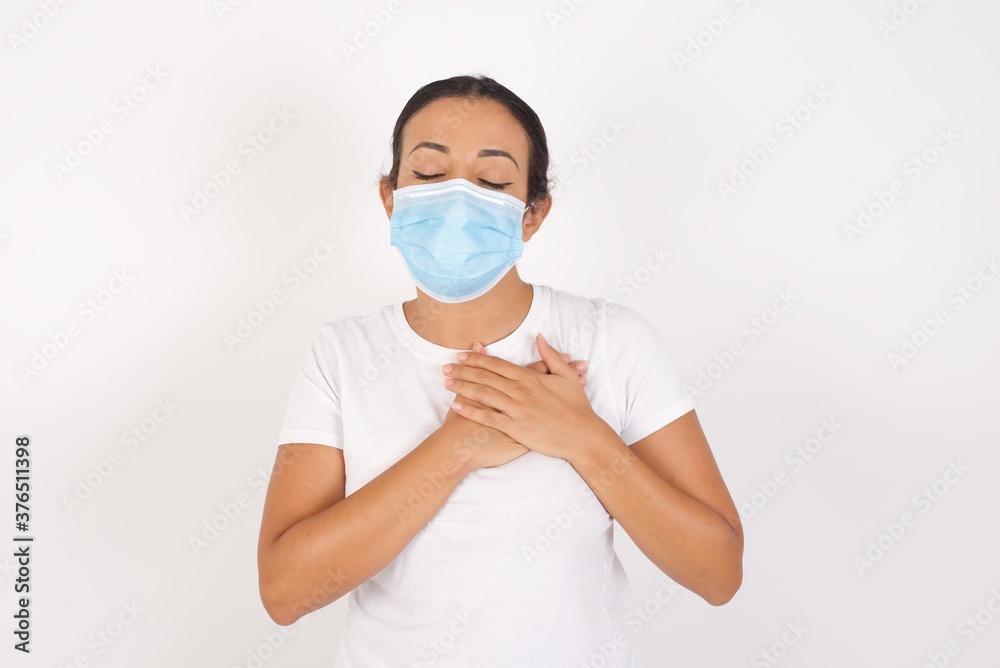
690	542
328	554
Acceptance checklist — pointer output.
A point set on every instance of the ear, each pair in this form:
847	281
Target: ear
534	216
385	192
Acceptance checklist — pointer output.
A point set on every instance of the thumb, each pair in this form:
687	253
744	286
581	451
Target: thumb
557	365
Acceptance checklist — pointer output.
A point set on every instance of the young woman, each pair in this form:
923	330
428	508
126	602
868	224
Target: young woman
447	462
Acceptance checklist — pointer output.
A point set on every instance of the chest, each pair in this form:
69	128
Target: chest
391	404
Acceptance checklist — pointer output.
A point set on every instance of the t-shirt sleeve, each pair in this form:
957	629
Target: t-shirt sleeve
647	383
312	414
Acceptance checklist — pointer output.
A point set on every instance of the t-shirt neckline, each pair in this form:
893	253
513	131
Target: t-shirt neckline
409	337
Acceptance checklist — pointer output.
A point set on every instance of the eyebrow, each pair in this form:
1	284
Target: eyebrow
485	153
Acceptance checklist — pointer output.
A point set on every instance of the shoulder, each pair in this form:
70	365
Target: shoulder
598	314
582	302
628	332
617	330
353	331
625	319
570	303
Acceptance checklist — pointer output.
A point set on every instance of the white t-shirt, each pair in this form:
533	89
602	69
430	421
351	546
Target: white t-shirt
518	567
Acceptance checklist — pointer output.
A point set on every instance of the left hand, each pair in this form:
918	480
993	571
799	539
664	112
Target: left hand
548	413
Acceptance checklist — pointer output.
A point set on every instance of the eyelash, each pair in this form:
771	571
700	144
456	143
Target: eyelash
495	186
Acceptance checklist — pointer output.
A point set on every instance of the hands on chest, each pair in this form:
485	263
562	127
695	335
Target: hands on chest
502	410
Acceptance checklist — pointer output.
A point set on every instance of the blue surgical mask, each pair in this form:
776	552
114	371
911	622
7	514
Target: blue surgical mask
458	239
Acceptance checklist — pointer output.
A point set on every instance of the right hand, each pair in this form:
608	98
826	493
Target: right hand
487	447
490	447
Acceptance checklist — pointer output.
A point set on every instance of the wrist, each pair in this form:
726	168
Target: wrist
442	456
457	447
598	444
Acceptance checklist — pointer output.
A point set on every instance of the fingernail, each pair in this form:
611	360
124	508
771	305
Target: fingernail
463	356
446	368
582	366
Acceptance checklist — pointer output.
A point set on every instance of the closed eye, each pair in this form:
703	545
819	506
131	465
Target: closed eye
488	184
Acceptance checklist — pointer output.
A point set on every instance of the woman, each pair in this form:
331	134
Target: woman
443	460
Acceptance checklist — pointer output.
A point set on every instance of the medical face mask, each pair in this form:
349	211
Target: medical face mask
458	239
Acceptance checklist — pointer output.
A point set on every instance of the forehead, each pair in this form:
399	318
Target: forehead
461	123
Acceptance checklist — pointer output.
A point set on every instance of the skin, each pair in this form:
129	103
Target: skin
665	491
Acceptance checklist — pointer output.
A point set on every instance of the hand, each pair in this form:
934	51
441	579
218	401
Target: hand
548	413
488	447
541	367
480	446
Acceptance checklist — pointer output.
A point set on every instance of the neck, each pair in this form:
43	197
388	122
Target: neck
485	319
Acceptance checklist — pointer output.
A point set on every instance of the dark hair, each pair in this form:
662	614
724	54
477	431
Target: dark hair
478	88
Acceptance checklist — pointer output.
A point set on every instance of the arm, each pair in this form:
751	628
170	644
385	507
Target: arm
315	545
667	493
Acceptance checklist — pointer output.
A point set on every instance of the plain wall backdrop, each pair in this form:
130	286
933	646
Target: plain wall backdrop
823	177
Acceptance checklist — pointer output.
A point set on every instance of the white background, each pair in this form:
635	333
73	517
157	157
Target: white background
685	126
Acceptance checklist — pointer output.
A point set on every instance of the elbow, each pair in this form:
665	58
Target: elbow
731	579
269	589
273	588
728	586
282	613
721	597
285	607
279	613
279	618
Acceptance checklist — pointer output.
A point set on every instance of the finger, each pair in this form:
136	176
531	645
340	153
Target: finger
499	367
485	417
550	356
539	367
468	402
481	376
565	356
484	394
